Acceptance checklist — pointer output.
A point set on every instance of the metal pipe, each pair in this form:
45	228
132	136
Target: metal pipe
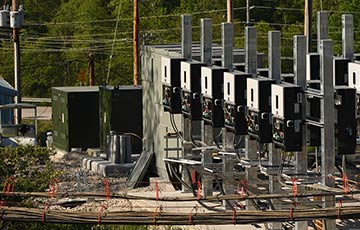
17	70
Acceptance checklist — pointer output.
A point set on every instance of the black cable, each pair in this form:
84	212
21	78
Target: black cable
172	121
193	191
216	141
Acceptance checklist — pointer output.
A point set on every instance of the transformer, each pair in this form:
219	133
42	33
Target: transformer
341	71
113	118
287	116
259	108
191	90
75	117
170	73
346	130
212	79
235	101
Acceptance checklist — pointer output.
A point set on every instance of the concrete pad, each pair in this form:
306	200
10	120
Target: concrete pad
94	164
114	170
86	162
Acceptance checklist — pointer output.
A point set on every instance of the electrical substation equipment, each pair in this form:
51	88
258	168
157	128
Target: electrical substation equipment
191	89
341	71
345	119
259	108
170	73
287	116
212	79
235	101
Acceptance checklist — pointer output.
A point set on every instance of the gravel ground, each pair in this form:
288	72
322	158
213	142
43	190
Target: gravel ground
76	179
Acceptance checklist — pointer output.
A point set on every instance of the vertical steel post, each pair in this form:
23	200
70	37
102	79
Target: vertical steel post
206	40
186	36
322	27
274	48
250	67
227	40
348	36
250	51
300	43
328	131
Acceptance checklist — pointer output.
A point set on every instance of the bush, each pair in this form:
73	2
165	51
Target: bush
29	165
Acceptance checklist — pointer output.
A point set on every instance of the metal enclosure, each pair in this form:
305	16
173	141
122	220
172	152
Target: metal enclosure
354	76
345	132
156	122
191	90
341	71
120	110
170	74
313	70
259	108
75	117
287	116
212	80
235	101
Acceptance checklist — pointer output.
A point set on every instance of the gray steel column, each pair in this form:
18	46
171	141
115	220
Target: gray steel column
206	40
186	36
274	46
322	27
227	40
348	36
300	44
250	50
308	24
207	180
274	38
328	131
186	52
250	67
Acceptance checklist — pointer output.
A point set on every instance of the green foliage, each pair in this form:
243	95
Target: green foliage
60	34
29	165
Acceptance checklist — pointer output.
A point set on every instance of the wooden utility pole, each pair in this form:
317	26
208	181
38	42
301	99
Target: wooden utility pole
91	69
230	11
136	42
307	23
17	64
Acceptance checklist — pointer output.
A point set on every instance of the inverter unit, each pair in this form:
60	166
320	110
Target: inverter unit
286	109
191	89
170	72
212	79
235	101
259	108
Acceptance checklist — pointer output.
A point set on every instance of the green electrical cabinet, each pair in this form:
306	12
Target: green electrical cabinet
121	111
75	117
